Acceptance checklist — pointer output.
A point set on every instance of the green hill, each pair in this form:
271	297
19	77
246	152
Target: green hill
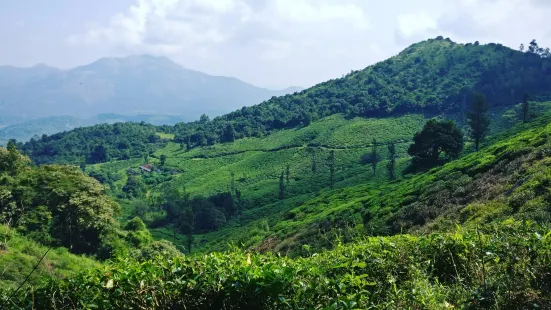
244	153
478	239
432	77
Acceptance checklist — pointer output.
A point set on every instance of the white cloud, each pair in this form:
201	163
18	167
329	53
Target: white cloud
285	42
176	25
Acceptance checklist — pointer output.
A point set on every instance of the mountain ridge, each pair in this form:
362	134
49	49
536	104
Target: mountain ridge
124	85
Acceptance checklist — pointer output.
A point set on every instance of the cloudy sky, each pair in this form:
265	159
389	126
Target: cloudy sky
270	43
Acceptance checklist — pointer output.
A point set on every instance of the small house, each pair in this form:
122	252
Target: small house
146	167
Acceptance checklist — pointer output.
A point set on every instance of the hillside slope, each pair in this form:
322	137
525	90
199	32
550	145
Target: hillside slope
483	243
436	76
507	180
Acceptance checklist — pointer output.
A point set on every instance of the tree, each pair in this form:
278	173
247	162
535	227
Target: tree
437	137
533	48
163	159
314	164
288	174
372	158
232	183
478	119
11	160
331	169
204	119
187	224
134	186
188	144
176	202
229	133
98	154
82	215
521	48
525	112
391	165
281	187
146	158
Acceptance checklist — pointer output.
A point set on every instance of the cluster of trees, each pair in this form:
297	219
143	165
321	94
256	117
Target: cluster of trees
187	215
61	206
95	144
440	141
534	48
56	205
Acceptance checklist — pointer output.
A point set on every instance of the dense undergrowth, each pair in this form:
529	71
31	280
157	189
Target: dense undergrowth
19	255
504	266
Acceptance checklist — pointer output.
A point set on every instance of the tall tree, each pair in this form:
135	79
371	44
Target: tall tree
435	138
98	154
229	133
176	203
525	112
188	144
391	165
288	174
314	164
232	183
187	224
163	159
374	158
281	186
331	169
478	119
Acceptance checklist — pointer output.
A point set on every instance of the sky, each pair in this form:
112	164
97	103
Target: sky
269	43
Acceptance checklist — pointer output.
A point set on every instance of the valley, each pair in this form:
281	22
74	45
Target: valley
419	182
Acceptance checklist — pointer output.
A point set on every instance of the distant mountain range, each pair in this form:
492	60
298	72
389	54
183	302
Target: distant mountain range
135	86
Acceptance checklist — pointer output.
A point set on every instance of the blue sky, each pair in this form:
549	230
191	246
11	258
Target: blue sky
272	43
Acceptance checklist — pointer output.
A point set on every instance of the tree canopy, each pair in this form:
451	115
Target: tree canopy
436	138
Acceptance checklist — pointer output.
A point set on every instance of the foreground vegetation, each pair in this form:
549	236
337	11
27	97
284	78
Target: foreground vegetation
507	266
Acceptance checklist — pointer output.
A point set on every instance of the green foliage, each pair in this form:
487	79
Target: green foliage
436	138
95	144
504	267
56	204
138	235
162	248
479	122
134	187
19	254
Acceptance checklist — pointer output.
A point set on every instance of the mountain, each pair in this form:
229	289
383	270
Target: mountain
130	85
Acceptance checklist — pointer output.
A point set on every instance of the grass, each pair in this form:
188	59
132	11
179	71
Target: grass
19	255
165	136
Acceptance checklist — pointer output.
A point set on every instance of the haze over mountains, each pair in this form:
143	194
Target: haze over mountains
144	87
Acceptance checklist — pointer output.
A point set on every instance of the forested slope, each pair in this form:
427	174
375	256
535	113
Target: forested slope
432	77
